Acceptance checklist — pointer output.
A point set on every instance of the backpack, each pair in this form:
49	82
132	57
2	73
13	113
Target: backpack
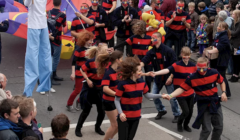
51	21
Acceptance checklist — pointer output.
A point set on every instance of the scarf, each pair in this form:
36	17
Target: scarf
6	124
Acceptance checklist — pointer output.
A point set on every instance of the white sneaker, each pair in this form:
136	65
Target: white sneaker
43	93
52	90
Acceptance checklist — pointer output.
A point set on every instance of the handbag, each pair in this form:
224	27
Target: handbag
208	55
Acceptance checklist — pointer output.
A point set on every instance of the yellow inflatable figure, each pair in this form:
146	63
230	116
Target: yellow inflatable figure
150	19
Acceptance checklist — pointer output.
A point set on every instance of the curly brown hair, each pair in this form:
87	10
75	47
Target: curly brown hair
128	67
103	60
83	37
138	27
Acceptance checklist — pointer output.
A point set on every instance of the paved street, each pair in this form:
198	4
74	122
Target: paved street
13	52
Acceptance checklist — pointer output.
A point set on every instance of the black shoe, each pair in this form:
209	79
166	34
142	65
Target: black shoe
179	128
55	82
99	131
78	133
187	128
234	79
55	77
160	114
175	120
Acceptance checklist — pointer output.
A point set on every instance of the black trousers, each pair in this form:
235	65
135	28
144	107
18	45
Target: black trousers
92	98
186	103
148	79
128	47
236	66
110	28
222	71
127	129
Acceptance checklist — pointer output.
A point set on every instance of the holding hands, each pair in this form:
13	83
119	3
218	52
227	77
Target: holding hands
166	96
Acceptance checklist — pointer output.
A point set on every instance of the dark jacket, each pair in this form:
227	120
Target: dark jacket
9	130
194	19
168	58
123	27
235	35
221	41
212	9
27	130
35	129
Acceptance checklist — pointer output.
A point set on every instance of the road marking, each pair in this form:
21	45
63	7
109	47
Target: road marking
166	130
145	116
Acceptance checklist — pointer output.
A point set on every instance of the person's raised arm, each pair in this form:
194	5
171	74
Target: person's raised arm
162	72
87	20
176	92
170	18
114	5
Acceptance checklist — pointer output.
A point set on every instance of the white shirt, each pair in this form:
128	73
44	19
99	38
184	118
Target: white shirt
36	14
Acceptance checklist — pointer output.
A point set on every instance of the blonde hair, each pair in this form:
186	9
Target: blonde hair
93	50
18	98
225	26
237	16
191	4
186	51
202	60
203	16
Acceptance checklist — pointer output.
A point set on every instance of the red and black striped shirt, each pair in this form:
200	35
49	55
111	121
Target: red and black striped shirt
110	80
177	24
203	85
78	60
107	4
60	23
91	70
139	45
181	71
131	94
77	26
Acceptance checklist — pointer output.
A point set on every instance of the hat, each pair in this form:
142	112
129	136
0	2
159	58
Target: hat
147	8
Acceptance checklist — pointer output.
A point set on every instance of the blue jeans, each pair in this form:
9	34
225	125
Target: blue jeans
38	61
191	38
230	65
56	56
158	103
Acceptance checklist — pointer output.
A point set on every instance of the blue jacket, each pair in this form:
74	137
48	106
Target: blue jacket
222	42
9	130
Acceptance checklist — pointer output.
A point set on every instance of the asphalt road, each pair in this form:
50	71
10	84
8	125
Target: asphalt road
13	53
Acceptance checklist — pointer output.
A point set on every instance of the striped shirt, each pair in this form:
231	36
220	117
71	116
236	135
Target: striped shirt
107	4
79	59
177	24
212	9
110	80
203	85
77	26
60	22
91	70
131	94
139	45
181	71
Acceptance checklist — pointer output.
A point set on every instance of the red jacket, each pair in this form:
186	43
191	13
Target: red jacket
167	6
